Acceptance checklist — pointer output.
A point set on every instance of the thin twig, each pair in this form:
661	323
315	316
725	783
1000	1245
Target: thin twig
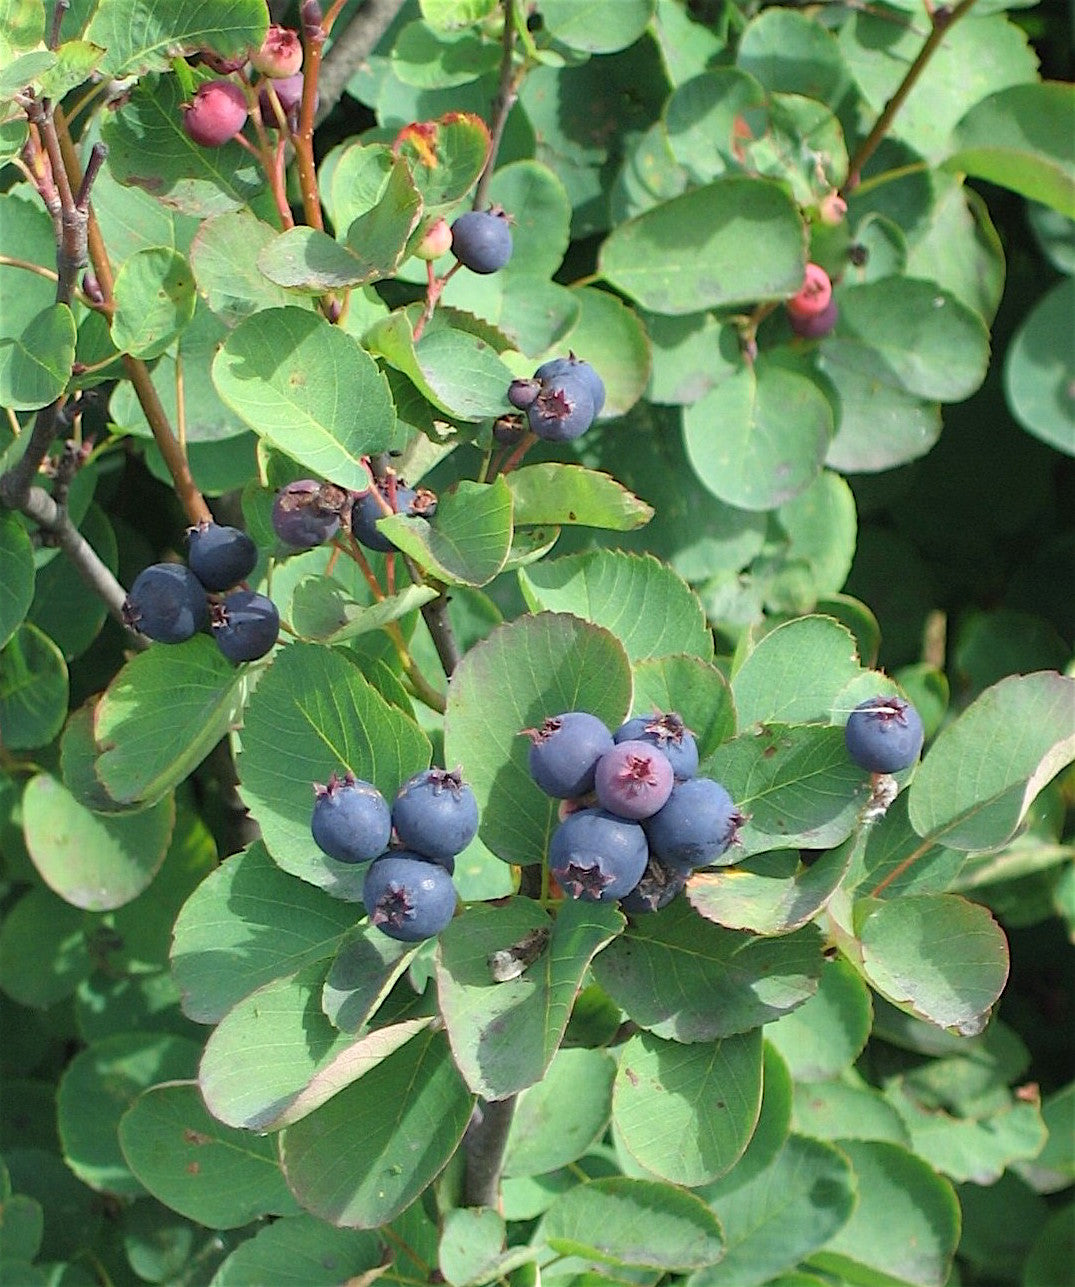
313	43
506	98
942	20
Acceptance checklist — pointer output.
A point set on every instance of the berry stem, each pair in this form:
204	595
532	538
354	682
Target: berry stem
941	21
511	77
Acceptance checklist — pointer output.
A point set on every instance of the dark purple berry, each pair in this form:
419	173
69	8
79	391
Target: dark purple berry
884	734
658	886
564	753
481	240
376	504
246	625
633	780
815	326
220	557
216	113
436	814
167	602
307	513
408	897
563	410
668	733
289	92
597	856
351	821
696	826
572	365
522	392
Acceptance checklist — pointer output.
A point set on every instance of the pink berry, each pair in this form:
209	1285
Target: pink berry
813	295
216	114
280	54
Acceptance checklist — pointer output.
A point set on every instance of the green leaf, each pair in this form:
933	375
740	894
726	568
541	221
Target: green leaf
162	715
301	1251
699	250
213	1174
795	673
356	180
361	976
33	689
505	1034
913	335
566	494
91	860
969	796
828	1032
766	902
36	366
148	147
322	610
365	1155
821	524
154	295
906	1225
937	955
1039	370
798	789
314	714
17	585
848	1109
639	599
688	980
1016	138
686	1113
695	689
25	233
96	1089
25	72
419	58
457	371
22	26
611	338
599	26
225	257
760	437
781	1216
556	663
703	117
447	15
298	382
557	1120
534	197
43	952
468	539
246	924
65	607
24	1224
790	53
445	156
75	62
622	1221
960	249
141	35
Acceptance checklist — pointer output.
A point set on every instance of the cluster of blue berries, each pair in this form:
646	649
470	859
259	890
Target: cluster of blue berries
171	602
650	821
408	890
308	513
561	400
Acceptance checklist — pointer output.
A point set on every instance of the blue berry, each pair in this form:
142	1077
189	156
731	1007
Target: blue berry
220	557
435	814
376	504
669	734
351	821
596	856
658	886
633	780
408	897
563	410
167	602
307	513
564	753
696	826
571	365
246	625
884	734
481	240
521	393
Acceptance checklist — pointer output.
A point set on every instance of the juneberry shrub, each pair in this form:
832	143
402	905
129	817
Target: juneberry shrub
756	407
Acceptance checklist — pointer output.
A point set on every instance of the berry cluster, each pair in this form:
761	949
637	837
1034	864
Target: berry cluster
308	513
561	400
170	602
641	821
408	890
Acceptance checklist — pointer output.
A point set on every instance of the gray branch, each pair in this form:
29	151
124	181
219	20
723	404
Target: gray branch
351	49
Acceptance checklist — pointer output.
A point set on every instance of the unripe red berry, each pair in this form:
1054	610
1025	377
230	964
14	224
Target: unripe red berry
832	209
216	113
436	240
280	54
813	295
